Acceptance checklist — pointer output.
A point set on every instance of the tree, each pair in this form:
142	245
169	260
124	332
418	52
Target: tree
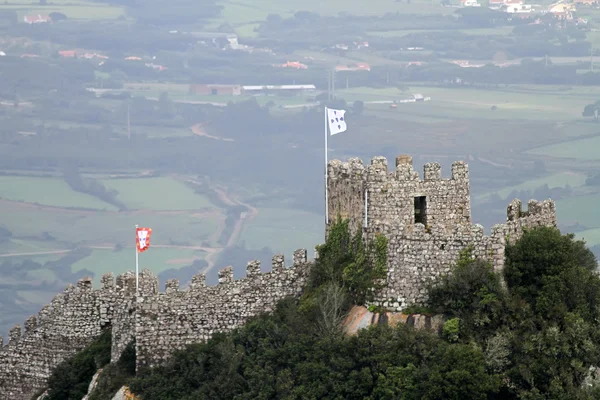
358	107
544	268
592	110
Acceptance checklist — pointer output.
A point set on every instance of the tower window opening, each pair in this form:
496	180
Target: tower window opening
421	210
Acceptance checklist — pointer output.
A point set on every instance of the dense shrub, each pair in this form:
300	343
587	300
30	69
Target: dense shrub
115	375
70	380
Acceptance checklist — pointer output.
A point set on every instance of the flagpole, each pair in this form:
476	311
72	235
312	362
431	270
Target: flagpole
326	189
136	263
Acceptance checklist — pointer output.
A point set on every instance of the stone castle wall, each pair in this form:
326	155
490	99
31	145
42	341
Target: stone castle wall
160	322
63	327
171	320
418	253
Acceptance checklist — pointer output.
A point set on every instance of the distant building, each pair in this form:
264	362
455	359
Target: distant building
469	3
355	67
292	64
563	10
517	8
503	4
68	53
216	90
266	89
36	19
157	67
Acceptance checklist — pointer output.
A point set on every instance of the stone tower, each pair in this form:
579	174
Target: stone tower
427	221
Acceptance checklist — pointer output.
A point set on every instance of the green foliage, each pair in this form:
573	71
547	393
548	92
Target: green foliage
418	309
115	375
552	272
344	259
540	333
451	329
471	292
71	378
276	357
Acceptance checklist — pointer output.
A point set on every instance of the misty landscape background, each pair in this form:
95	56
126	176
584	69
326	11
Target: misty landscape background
204	121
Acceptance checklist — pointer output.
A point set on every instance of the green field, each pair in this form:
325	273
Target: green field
470	103
561	179
157	194
582	209
590	236
284	230
249	11
104	228
155	259
581	149
47	191
73	9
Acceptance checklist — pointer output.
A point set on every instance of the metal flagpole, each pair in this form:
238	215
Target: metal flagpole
136	263
326	190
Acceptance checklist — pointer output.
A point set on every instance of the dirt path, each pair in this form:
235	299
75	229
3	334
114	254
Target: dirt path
36	253
197	130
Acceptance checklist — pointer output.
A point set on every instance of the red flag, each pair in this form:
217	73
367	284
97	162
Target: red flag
142	238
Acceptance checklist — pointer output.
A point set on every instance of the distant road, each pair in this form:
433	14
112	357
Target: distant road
38	253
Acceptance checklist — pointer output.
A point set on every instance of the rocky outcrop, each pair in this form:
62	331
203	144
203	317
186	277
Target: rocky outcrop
359	317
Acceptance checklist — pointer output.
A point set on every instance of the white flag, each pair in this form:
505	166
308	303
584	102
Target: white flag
337	121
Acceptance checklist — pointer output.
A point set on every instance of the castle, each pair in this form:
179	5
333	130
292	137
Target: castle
427	222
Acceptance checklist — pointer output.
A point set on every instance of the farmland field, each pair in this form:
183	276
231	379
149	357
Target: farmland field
94	228
249	11
284	230
582	149
561	179
157	194
47	191
476	103
582	209
156	259
73	9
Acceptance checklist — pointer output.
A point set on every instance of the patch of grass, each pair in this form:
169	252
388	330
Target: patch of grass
157	194
47	191
580	149
284	230
155	259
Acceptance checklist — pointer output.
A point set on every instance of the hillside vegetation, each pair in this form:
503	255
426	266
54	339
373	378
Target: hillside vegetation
534	337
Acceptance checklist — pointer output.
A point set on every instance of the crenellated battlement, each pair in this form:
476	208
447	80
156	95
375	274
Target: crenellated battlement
225	276
373	196
514	211
354	169
169	320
